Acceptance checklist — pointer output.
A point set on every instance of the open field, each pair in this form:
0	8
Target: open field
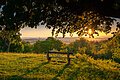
16	66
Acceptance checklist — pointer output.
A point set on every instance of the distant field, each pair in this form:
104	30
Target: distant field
16	66
66	40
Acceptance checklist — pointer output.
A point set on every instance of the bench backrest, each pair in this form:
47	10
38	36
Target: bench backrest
60	52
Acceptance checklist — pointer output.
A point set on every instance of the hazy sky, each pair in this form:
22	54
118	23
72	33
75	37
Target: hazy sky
41	31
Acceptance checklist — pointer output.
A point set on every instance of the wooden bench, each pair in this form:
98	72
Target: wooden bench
52	52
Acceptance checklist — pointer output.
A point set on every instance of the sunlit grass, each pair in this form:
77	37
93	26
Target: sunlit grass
20	66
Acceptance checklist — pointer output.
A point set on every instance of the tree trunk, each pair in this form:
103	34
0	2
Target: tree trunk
8	49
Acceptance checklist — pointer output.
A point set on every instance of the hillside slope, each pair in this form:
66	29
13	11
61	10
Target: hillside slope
15	66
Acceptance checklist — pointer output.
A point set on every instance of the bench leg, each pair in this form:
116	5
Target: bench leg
68	61
48	58
68	58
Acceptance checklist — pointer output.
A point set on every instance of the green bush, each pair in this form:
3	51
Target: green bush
27	47
116	57
49	44
80	46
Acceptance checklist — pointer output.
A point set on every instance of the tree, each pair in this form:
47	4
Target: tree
80	46
2	46
42	47
56	44
27	47
49	44
63	16
9	38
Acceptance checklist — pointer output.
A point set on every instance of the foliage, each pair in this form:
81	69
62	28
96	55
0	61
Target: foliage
115	49
27	47
116	56
41	46
107	49
80	46
16	47
2	46
9	39
56	44
63	16
49	44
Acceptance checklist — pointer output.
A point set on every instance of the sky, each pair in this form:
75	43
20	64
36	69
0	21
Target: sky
41	31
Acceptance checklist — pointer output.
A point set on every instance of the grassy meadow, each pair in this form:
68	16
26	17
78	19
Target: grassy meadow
18	66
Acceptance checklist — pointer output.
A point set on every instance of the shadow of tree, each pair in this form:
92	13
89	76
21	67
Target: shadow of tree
73	75
16	77
20	77
35	69
60	72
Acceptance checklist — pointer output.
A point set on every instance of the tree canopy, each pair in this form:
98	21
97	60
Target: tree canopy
63	16
8	39
49	44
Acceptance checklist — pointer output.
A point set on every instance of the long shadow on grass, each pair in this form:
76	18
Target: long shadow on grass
60	72
35	69
16	77
73	75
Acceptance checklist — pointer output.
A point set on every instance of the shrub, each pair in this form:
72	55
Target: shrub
49	44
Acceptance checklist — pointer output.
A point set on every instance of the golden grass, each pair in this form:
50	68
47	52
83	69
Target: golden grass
19	66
